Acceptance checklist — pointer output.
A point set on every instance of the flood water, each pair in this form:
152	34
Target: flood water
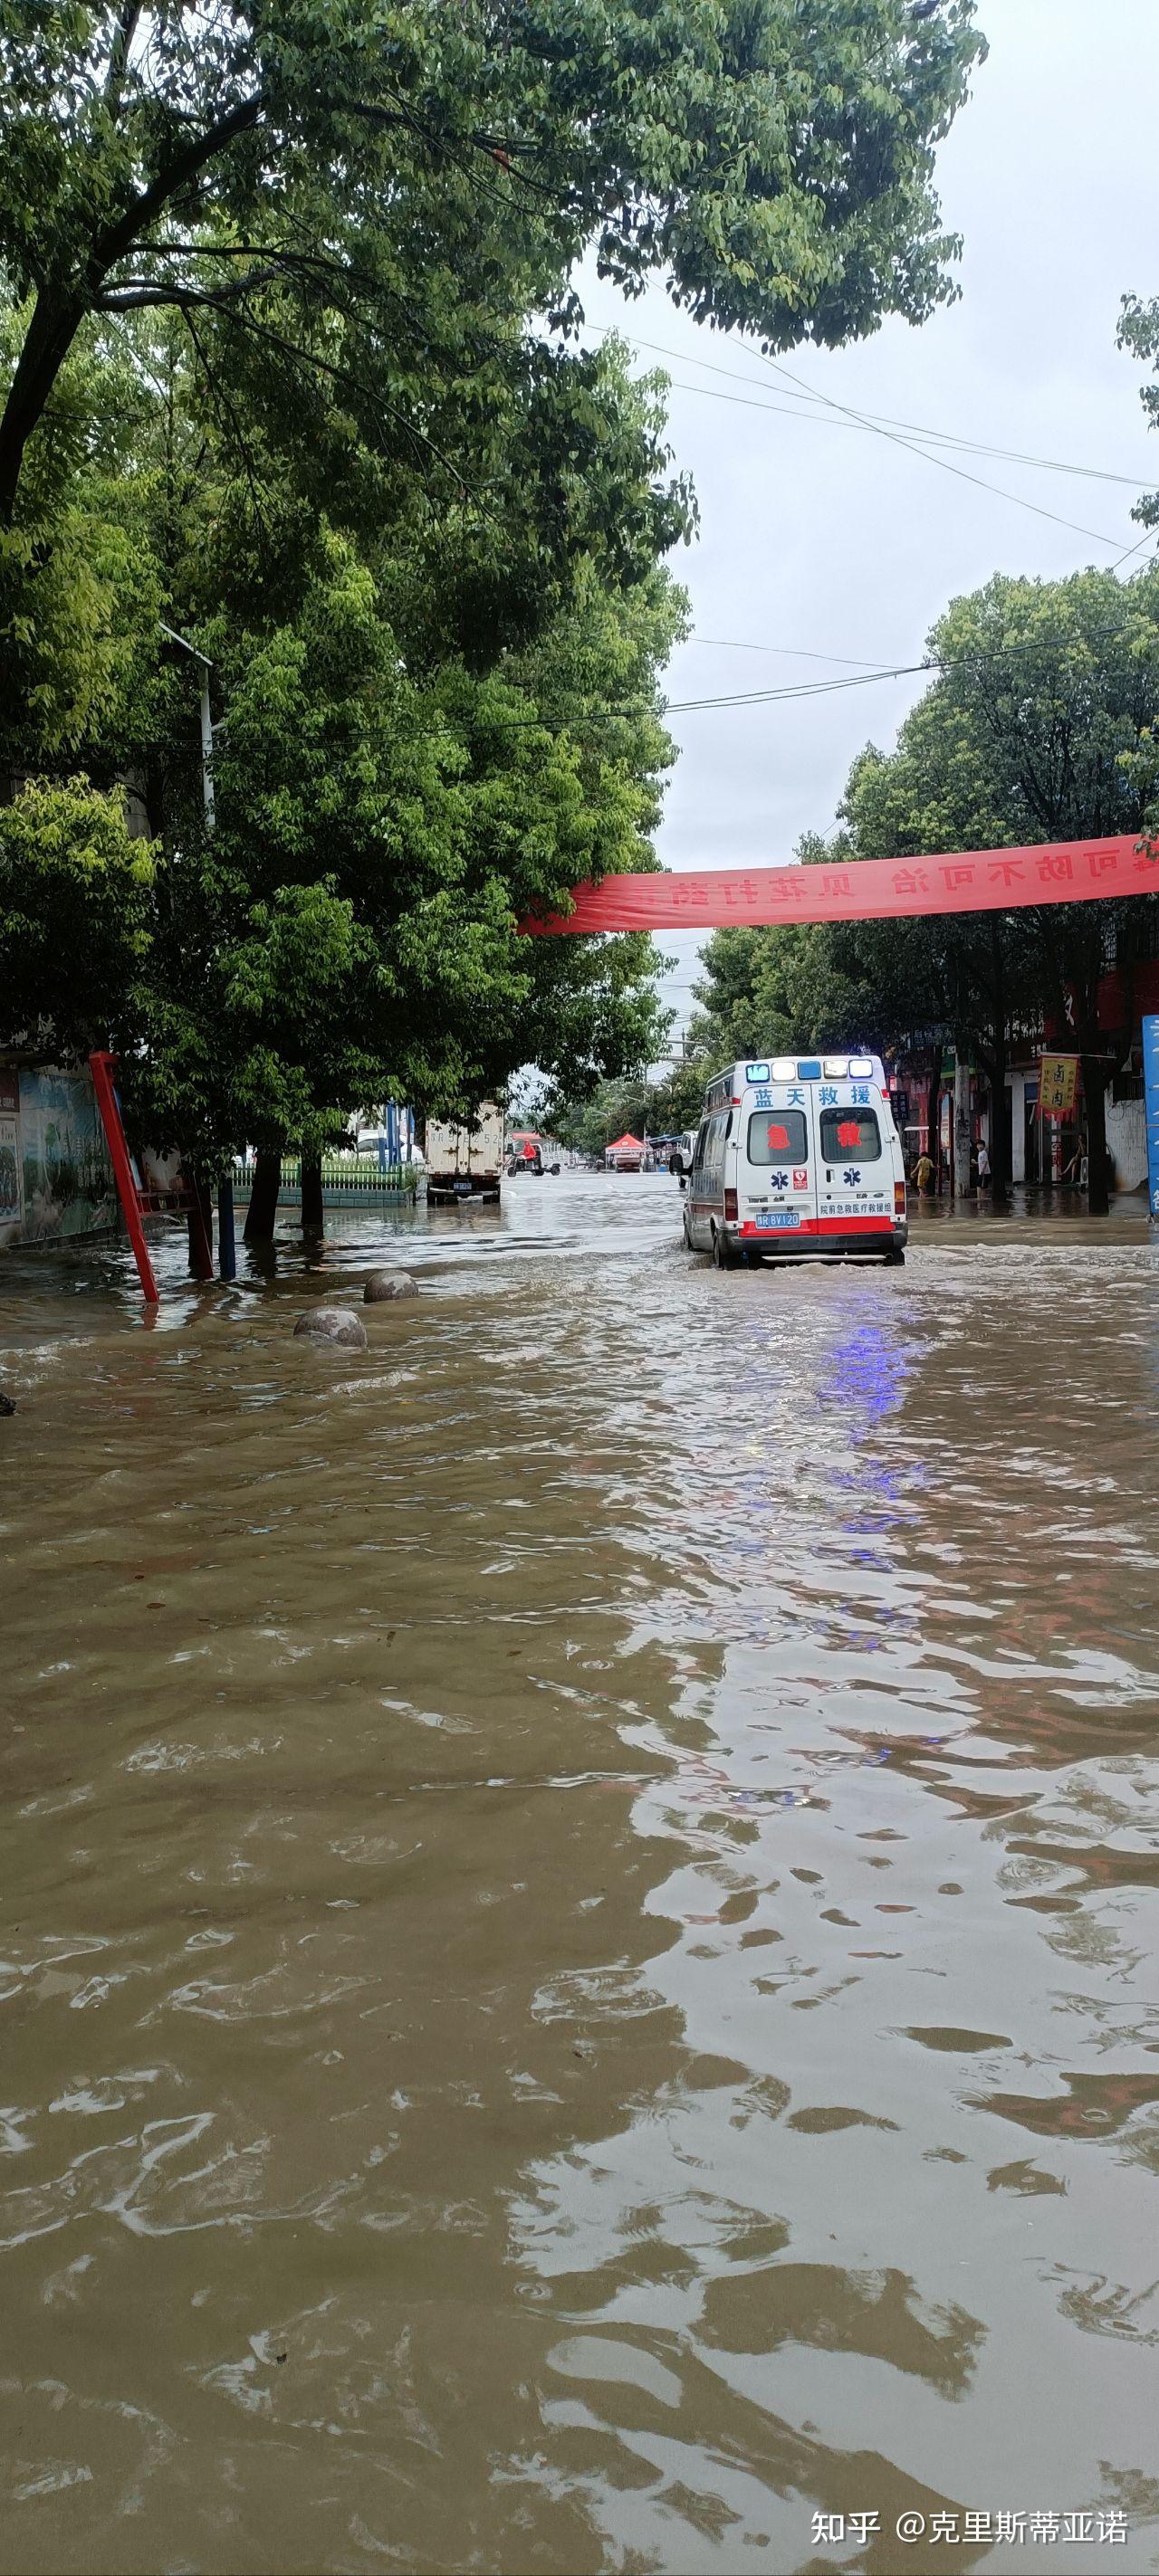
579	1895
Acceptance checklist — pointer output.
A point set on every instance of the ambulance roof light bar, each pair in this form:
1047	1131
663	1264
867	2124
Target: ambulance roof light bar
811	1068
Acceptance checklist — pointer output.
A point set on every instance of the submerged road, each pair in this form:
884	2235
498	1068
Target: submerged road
579	1898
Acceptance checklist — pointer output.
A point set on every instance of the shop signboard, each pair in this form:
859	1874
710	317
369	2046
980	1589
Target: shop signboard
1057	1083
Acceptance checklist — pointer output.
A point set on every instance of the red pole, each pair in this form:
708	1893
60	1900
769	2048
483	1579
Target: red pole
101	1068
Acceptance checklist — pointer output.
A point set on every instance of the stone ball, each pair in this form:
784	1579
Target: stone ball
332	1324
388	1283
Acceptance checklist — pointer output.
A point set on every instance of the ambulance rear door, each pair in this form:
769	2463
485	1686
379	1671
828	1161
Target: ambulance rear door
777	1162
854	1159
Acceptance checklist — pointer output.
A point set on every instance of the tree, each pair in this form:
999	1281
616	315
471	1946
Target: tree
278	372
406	764
634	1104
75	916
324	176
1139	332
1041	726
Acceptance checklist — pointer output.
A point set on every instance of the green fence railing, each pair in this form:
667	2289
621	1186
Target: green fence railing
348	1180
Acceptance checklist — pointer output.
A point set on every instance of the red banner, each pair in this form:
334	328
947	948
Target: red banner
866	890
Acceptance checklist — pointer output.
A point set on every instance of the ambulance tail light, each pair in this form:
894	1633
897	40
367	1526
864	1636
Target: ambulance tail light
899	1198
730	1207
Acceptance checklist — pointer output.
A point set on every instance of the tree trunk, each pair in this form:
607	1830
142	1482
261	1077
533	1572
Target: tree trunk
49	337
962	1136
261	1215
313	1215
1095	1098
200	1222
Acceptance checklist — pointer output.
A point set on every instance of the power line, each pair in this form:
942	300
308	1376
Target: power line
786	652
873	421
793	691
892	670
801	689
959	471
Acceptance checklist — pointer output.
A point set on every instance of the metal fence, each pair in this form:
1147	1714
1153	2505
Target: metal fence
348	1180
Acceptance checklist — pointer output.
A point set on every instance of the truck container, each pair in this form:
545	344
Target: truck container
465	1159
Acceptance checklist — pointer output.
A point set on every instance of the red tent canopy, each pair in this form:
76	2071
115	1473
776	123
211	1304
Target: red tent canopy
627	1145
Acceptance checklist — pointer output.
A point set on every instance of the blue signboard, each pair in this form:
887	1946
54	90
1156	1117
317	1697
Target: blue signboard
1151	1099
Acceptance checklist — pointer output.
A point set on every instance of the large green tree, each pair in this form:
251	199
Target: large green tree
288	365
1041	725
426	728
358	183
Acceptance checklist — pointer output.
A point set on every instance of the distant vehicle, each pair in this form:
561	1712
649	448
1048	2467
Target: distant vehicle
796	1157
465	1160
525	1152
373	1139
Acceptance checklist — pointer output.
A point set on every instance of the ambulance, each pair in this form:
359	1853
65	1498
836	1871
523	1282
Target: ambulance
797	1157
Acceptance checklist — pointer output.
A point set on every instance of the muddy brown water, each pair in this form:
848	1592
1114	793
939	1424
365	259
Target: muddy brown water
579	1897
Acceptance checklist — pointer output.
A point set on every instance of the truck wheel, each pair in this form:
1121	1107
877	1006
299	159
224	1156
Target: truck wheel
895	1256
723	1256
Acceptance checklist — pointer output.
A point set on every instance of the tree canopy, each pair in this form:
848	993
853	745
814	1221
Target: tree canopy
368	188
1041	725
75	909
289	366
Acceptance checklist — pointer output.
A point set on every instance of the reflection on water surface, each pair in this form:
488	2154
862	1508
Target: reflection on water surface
577	1967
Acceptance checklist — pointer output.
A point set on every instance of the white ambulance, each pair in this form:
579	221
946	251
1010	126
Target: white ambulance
797	1156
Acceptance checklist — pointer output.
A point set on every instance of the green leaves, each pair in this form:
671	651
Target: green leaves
381	164
1139	332
276	372
75	914
1042	725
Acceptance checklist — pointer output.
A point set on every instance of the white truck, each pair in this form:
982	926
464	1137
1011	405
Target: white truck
465	1161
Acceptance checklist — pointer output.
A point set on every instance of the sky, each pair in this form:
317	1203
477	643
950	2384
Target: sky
821	539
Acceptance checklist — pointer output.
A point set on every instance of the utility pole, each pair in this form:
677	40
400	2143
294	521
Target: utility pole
226	1239
206	718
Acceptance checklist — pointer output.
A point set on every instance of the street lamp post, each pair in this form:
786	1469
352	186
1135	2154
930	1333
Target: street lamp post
226	1241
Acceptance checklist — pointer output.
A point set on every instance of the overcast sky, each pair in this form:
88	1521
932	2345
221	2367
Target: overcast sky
822	539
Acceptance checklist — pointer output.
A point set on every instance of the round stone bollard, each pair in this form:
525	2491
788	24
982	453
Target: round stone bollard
337	1324
388	1283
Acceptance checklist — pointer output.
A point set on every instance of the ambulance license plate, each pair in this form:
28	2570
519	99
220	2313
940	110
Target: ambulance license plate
769	1217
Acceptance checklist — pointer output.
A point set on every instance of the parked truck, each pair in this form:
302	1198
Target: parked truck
464	1161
